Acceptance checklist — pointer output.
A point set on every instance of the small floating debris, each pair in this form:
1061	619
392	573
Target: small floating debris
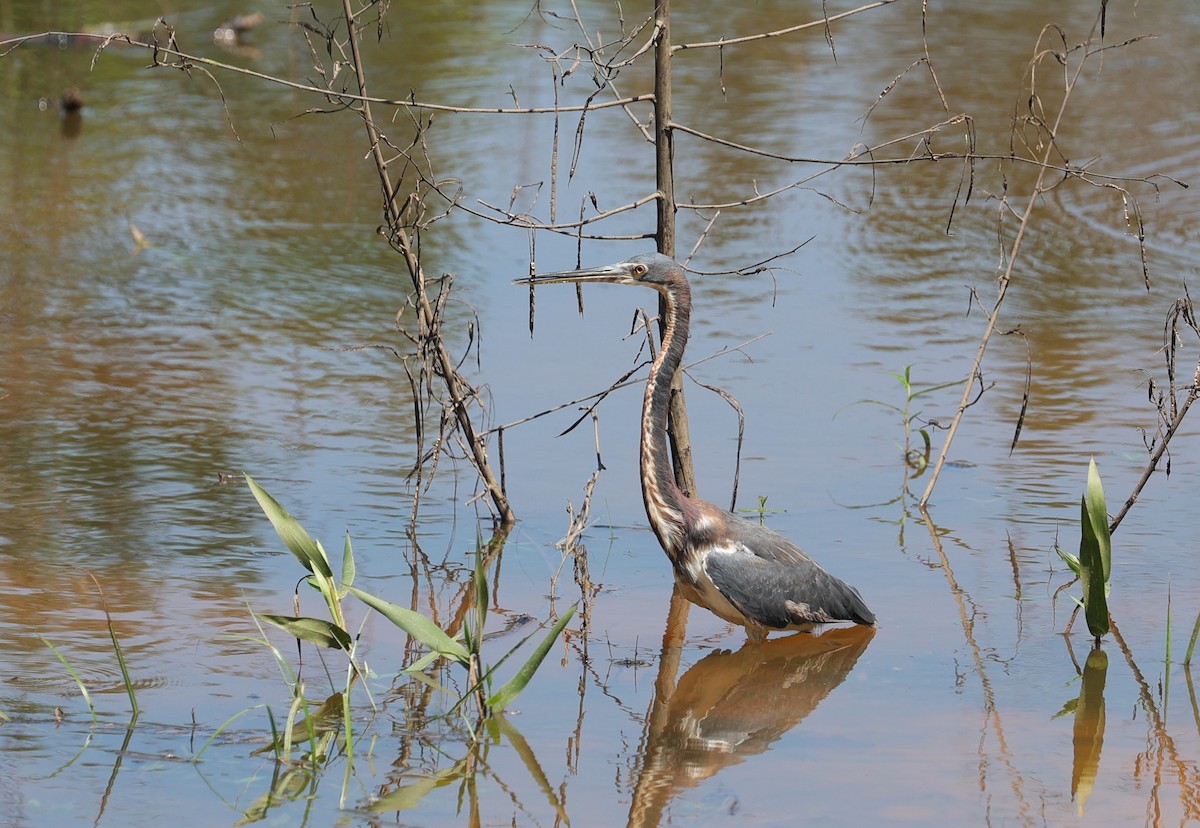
230	33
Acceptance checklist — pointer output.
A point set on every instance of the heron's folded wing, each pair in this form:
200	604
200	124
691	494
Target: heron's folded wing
778	594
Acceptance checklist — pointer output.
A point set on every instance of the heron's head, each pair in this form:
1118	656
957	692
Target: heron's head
652	270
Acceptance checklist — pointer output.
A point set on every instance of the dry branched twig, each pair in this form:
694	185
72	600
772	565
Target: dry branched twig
436	360
1034	137
1171	403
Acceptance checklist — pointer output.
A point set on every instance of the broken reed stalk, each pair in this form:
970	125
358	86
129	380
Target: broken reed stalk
458	390
1050	148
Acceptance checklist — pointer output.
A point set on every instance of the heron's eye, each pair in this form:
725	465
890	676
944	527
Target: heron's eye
640	270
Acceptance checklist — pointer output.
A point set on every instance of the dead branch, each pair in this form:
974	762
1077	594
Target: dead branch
1172	403
1049	147
459	392
823	23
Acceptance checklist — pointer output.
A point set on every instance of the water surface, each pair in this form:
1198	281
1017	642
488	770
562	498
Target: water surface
136	376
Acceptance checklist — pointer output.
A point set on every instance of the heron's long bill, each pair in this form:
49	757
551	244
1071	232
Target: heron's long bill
622	273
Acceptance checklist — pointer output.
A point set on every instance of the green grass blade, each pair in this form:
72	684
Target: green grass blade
307	551
516	684
275	736
481	598
348	570
420	665
417	625
1098	514
1187	659
348	741
133	702
83	689
931	389
290	725
220	729
313	630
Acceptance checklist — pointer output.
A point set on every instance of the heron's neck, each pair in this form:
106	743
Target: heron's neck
663	499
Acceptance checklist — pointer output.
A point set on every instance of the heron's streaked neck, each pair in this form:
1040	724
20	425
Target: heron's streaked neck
663	499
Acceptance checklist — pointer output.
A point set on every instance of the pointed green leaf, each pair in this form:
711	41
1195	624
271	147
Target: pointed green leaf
348	570
481	599
1071	560
933	388
417	625
928	442
1095	554
71	670
504	696
1097	518
307	551
313	630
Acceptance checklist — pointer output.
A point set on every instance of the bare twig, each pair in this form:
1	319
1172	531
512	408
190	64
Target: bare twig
458	390
1171	409
823	23
626	381
1049	147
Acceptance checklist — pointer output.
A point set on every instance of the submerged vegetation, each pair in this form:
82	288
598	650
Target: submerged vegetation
463	647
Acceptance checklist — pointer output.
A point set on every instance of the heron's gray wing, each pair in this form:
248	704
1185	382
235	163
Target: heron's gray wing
764	542
779	593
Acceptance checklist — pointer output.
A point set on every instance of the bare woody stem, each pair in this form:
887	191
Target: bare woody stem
1051	146
1192	394
457	389
677	419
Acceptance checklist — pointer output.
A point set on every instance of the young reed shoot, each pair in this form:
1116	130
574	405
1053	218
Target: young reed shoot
464	649
1094	562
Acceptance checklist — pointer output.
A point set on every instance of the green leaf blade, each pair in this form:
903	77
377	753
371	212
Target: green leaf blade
415	624
348	568
307	551
512	688
313	630
1072	561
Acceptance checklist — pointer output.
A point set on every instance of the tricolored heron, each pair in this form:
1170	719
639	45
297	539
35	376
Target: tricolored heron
738	569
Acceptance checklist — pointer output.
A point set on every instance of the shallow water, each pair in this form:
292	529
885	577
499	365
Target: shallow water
134	376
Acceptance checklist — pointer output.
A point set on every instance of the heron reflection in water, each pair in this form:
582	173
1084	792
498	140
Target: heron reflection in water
732	566
731	706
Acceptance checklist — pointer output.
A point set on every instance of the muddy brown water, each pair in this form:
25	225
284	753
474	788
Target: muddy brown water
133	375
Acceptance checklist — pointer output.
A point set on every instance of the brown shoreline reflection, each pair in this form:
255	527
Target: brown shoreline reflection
733	705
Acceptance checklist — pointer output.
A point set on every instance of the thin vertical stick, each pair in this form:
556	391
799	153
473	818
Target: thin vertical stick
677	419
